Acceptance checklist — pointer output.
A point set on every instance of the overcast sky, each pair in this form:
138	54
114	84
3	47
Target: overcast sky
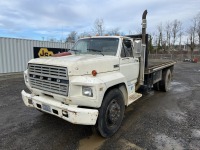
35	19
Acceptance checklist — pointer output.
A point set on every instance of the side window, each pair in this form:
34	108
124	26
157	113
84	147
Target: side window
126	49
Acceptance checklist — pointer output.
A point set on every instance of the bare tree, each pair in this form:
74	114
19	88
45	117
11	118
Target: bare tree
130	32
138	30
150	43
71	37
52	39
198	27
84	34
168	31
192	35
175	30
180	34
155	41
160	36
114	31
98	27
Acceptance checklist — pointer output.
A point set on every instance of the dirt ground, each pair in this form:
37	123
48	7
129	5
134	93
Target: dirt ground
156	121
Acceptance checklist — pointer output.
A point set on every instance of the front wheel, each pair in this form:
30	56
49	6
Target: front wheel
111	113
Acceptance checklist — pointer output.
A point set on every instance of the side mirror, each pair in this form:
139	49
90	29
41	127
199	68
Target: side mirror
137	47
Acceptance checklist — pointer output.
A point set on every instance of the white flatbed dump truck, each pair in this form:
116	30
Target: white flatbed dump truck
94	84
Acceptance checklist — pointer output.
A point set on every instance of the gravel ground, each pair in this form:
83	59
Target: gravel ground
157	121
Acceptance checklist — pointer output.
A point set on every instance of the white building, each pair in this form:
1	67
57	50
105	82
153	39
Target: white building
15	53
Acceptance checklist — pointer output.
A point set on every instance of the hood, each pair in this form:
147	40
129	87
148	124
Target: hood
81	64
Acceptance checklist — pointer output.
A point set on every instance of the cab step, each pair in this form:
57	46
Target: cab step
133	97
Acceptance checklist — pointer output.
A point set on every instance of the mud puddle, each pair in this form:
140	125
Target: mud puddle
91	143
180	87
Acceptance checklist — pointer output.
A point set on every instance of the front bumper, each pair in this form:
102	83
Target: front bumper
69	113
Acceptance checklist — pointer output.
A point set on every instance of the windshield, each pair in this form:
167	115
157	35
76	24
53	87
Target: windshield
100	46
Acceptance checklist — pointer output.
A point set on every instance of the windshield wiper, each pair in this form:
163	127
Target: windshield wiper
95	50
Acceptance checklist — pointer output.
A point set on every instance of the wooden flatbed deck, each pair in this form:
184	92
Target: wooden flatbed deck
157	64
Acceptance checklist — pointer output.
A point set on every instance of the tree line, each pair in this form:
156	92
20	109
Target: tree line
167	38
98	28
169	35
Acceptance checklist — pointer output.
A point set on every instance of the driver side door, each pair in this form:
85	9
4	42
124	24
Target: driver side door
129	66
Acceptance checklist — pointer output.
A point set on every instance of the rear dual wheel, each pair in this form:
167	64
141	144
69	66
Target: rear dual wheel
164	84
166	80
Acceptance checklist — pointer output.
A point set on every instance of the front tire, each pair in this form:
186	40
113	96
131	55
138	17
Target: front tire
111	113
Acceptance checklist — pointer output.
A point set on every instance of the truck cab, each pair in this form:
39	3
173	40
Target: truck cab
74	87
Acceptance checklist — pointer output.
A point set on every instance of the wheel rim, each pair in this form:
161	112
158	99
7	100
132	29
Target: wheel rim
113	113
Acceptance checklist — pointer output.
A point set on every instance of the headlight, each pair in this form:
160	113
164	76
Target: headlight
87	91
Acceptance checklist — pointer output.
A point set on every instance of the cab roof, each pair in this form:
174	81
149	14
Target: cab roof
104	37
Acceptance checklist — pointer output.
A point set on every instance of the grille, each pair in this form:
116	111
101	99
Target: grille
49	78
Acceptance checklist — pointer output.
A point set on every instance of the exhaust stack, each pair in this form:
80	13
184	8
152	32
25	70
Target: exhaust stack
144	26
143	52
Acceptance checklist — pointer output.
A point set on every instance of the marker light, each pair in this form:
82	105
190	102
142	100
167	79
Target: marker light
94	72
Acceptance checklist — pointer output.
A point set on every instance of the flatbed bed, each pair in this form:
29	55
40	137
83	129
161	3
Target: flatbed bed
158	64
